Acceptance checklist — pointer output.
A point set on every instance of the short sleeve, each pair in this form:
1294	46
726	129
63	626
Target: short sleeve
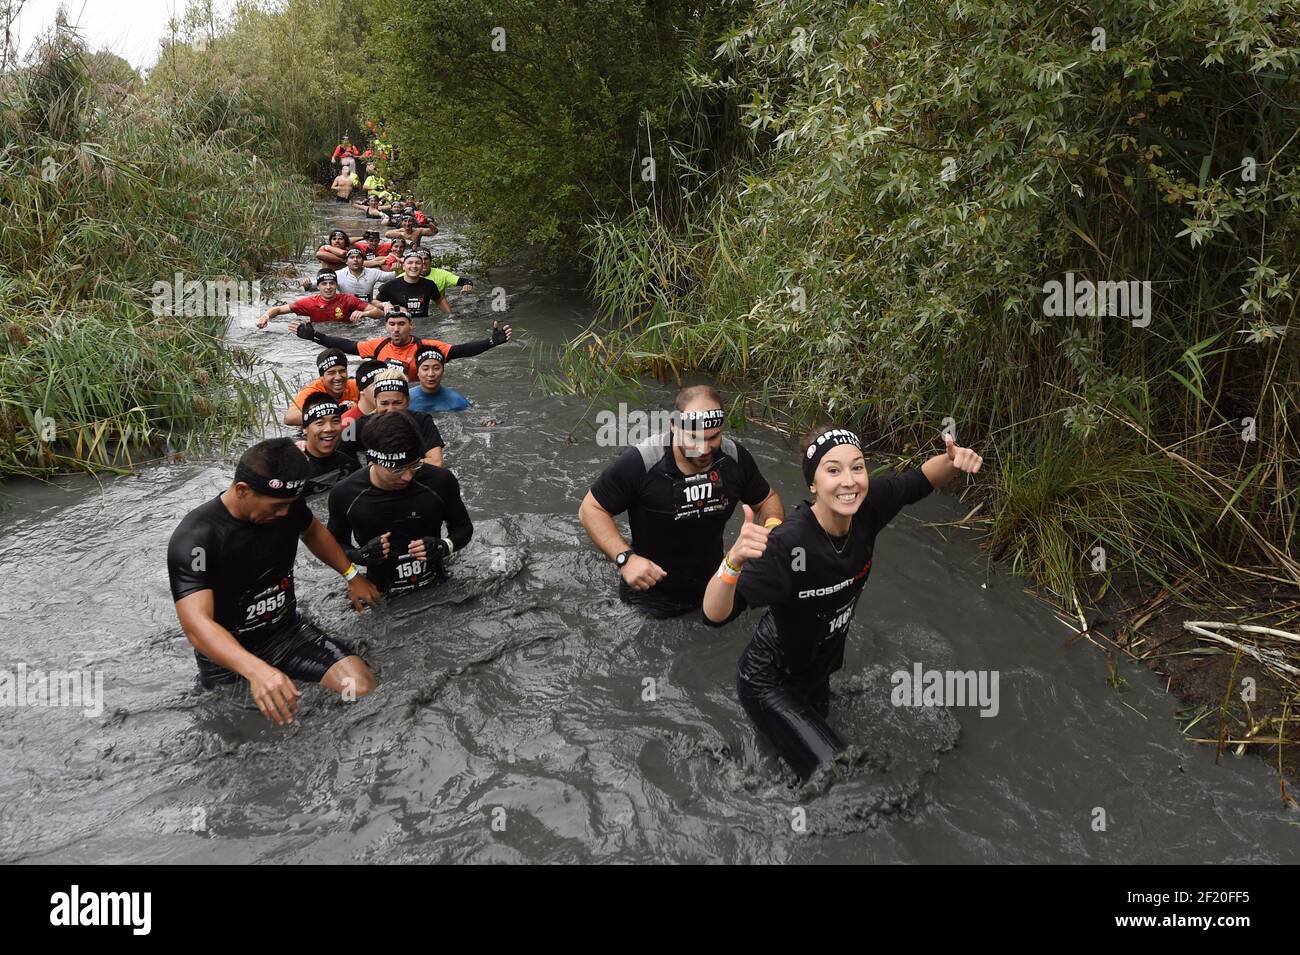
619	484
303	395
189	554
367	349
754	488
304	306
300	516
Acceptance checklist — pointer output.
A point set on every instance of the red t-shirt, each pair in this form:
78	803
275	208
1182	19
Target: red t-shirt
336	309
364	246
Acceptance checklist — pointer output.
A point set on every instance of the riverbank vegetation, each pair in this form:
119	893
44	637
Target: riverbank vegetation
111	188
888	214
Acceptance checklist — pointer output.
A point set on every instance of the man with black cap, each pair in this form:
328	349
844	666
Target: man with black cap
357	279
394	509
230	563
679	488
428	393
322	428
399	343
330	305
332	364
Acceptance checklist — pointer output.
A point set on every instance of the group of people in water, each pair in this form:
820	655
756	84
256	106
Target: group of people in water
396	518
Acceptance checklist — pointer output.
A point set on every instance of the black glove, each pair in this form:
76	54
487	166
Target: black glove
436	548
498	335
306	330
372	553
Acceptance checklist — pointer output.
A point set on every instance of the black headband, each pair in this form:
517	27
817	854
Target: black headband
364	378
424	354
333	361
327	274
392	384
270	487
699	420
393	460
817	450
322	409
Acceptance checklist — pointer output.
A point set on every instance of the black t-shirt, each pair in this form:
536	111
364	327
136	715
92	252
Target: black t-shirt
811	589
360	512
354	441
328	471
415	296
248	567
677	520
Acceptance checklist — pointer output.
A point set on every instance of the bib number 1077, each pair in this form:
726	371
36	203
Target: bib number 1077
698	492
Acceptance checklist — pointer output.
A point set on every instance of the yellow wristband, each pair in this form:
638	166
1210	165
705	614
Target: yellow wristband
771	522
350	572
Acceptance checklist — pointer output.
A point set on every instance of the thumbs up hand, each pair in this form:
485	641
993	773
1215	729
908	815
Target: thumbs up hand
963	459
751	542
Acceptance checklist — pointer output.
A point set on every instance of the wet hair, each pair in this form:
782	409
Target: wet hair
331	353
394	432
276	458
334	233
694	392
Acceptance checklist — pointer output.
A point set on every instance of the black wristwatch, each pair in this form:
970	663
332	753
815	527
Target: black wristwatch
621	560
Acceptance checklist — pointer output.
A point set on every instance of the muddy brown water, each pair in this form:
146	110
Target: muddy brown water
512	723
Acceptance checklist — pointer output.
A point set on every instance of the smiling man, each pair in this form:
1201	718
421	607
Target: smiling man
679	489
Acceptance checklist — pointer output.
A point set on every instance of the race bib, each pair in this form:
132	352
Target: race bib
268	607
699	494
838	620
414	304
412	573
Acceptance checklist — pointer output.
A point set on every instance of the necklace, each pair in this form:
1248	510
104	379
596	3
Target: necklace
838	548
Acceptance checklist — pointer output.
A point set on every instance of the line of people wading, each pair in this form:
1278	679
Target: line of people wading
396	519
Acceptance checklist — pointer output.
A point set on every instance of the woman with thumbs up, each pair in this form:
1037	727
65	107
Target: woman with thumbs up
809	572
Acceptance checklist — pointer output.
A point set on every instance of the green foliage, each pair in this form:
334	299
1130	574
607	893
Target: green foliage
923	293
285	79
100	200
531	141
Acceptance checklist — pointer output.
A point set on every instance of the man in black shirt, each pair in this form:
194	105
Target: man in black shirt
395	508
322	427
810	572
679	489
230	563
411	290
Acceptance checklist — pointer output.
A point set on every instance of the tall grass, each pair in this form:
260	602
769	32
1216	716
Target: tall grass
838	272
98	204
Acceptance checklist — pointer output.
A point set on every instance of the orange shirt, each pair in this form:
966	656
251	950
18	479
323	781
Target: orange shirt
350	392
381	349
